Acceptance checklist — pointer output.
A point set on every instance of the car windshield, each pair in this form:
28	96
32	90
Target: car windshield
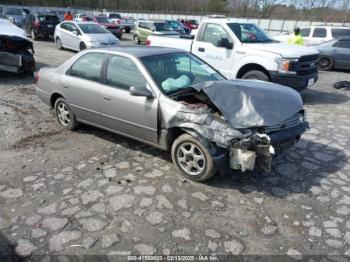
174	25
103	19
92	29
178	71
249	33
48	18
13	11
194	22
114	16
162	27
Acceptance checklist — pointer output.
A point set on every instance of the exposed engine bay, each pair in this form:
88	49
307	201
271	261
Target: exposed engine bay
239	133
16	54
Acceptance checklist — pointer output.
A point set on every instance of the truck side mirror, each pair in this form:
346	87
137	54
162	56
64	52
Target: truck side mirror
224	42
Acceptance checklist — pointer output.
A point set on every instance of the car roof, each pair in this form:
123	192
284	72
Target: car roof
139	51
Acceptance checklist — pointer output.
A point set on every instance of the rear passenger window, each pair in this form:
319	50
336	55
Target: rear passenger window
344	44
305	32
123	73
320	32
88	66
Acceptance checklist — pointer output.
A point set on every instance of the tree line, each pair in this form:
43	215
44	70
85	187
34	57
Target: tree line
315	10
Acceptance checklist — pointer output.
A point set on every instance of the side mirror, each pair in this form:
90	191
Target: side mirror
153	29
140	91
224	42
75	33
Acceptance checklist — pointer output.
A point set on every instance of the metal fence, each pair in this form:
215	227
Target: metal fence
273	26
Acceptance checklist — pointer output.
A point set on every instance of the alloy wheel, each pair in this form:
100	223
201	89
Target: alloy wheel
191	159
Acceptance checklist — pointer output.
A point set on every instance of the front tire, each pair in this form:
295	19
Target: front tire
326	63
192	159
256	75
127	30
65	115
82	46
136	40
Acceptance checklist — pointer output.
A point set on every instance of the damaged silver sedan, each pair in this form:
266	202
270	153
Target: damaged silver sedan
174	101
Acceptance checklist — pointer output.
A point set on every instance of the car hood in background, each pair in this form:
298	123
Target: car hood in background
252	103
284	49
103	38
7	28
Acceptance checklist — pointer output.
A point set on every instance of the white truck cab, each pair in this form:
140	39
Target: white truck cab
243	50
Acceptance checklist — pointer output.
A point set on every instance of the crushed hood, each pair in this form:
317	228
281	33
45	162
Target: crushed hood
9	29
284	49
252	103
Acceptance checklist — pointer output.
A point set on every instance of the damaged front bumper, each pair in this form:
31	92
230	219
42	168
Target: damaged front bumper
258	150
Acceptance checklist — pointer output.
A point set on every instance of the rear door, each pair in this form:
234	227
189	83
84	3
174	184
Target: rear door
341	54
133	116
319	36
206	47
82	87
72	39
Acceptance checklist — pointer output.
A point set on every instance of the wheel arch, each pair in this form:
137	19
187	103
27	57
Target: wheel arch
250	67
54	98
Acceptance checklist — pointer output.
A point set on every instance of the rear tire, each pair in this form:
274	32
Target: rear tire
59	43
136	40
192	159
65	115
82	46
127	30
326	63
256	75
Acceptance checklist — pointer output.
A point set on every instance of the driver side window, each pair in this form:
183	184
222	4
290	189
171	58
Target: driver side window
213	34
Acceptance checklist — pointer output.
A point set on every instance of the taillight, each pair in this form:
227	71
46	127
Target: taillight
36	77
148	42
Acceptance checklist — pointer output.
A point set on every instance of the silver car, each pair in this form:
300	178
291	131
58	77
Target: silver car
174	101
81	35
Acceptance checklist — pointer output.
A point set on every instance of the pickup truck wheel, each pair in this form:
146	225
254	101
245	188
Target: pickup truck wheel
192	159
64	114
59	43
33	35
326	63
136	40
257	75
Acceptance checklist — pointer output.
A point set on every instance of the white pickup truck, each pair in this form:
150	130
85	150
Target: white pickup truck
244	50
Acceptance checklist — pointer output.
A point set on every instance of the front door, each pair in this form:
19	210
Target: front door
134	116
207	49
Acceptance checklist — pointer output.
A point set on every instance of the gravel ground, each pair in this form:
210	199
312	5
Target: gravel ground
92	192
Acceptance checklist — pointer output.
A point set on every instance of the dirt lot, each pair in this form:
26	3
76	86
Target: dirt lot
92	192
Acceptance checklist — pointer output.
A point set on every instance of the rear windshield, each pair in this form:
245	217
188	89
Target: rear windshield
339	32
48	18
92	29
14	11
102	19
162	27
115	16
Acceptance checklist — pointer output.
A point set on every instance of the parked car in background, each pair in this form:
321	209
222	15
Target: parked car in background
6	18
16	50
192	24
79	17
109	25
126	23
314	35
176	26
179	103
16	14
243	50
26	10
335	54
145	28
81	35
39	25
59	13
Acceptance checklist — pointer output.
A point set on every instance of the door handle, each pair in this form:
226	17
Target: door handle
107	98
65	86
201	49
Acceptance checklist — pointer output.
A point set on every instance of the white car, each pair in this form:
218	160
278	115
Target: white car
81	35
315	35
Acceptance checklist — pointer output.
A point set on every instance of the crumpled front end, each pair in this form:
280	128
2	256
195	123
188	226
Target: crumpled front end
240	148
16	54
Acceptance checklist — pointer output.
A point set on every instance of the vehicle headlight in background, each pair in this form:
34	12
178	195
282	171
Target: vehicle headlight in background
283	65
